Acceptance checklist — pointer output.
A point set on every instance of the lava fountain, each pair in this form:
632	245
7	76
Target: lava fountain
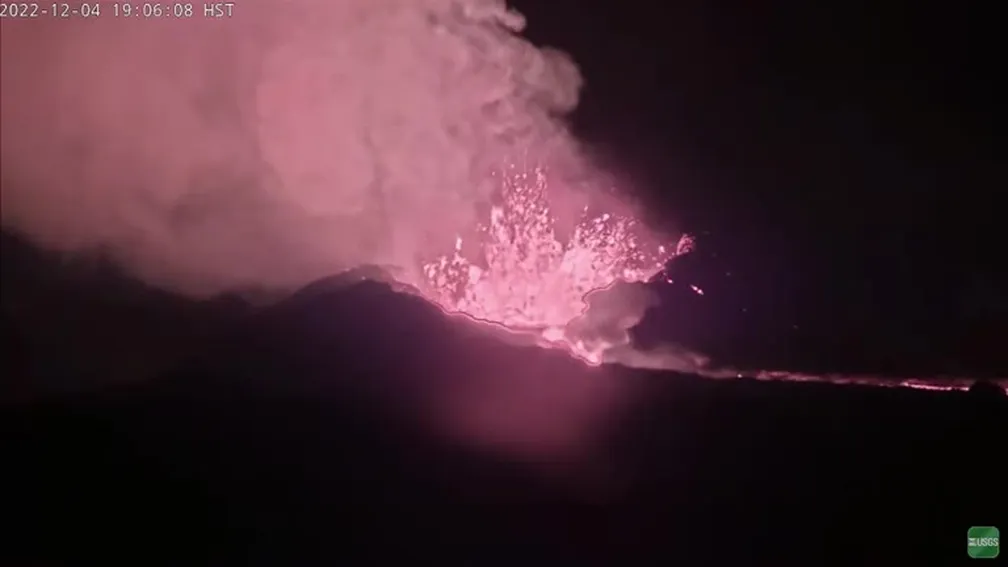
529	278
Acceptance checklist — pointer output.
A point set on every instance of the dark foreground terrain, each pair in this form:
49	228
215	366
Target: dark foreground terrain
300	442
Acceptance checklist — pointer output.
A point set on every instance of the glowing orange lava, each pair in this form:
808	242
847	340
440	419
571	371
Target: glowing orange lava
529	279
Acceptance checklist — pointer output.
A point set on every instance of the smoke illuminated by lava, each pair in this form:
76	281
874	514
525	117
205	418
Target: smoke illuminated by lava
279	146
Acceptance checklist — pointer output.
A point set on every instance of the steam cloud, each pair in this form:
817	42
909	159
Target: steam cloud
291	141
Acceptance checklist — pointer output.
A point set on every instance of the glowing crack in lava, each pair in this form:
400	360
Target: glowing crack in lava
530	280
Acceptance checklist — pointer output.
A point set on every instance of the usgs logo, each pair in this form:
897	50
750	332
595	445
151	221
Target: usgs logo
983	542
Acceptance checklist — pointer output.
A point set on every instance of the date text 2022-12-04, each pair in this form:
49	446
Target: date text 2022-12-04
89	10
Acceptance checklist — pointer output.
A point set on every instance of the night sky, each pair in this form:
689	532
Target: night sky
841	159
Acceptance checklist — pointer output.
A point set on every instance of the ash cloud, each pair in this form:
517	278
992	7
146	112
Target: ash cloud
283	144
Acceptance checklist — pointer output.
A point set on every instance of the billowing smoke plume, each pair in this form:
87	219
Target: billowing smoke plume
285	143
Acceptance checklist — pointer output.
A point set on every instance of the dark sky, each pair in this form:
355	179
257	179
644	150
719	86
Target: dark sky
789	108
839	159
843	156
840	120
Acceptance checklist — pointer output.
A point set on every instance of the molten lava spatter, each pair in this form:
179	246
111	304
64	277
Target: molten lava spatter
528	279
531	281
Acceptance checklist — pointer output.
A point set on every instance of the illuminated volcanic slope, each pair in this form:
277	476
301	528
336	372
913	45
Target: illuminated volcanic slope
530	281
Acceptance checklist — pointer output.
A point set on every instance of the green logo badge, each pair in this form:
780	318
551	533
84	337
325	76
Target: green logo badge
983	542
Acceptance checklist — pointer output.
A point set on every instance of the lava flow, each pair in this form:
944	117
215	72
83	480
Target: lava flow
528	279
